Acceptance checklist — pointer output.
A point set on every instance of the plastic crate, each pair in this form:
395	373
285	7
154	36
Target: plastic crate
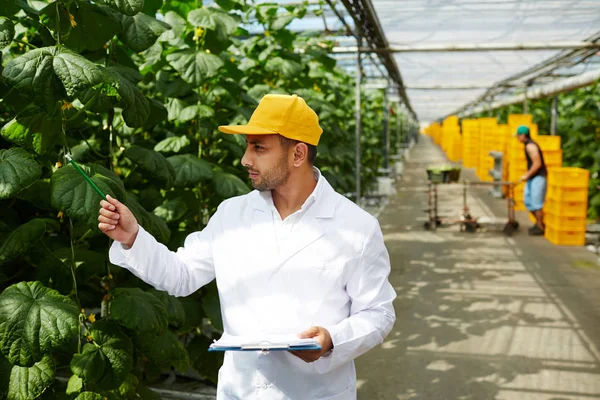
568	177
553	157
565	238
519	206
520	119
567	194
548	143
566	208
569	224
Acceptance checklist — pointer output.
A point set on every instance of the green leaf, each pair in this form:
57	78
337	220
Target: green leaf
137	107
90	396
174	307
188	113
7	32
141	31
212	306
5	369
127	389
158	114
172	144
107	360
33	129
74	195
172	210
190	170
164	350
194	314
94	27
74	385
153	224
30	382
21	239
127	7
152	162
214	19
281	21
48	73
18	170
152	6
138	310
174	108
205	362
193	66
34	320
38	194
205	111
8	9
177	24
227	185
286	68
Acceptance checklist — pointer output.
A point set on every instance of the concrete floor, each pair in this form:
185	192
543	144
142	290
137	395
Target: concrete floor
481	316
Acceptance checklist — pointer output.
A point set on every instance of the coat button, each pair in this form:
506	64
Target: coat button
263	386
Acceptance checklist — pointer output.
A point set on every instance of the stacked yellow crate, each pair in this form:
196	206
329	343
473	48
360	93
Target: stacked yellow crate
565	209
488	128
451	131
455	150
550	146
470	143
436	132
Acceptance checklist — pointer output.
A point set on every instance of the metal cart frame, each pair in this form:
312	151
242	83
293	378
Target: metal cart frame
467	222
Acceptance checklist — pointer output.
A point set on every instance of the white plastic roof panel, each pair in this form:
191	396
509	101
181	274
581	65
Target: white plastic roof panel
412	22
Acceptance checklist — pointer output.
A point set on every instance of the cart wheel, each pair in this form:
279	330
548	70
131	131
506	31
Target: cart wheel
427	226
438	222
508	229
471	226
515	225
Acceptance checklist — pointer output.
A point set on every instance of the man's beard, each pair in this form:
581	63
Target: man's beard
274	178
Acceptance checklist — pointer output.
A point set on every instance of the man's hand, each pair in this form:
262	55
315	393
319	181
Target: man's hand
322	336
117	221
523	178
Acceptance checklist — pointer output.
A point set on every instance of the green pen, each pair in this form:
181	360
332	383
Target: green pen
87	178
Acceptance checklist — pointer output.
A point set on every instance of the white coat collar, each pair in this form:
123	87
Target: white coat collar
323	197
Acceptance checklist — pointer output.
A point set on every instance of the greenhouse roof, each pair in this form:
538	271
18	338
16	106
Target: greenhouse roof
436	47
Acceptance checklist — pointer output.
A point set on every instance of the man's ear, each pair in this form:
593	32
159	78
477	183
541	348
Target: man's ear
300	154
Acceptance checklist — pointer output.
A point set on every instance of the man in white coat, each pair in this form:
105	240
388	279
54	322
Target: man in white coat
292	256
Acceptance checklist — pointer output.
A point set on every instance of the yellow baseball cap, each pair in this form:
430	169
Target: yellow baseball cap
286	115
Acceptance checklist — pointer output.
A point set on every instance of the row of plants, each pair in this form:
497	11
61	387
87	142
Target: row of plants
579	128
134	90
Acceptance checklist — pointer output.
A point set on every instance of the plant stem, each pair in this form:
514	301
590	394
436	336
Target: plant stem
57	24
91	148
25	43
83	236
85	106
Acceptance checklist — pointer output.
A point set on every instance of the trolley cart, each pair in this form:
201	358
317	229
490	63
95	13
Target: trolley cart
466	221
471	224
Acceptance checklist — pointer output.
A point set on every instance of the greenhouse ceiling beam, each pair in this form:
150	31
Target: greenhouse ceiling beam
448	87
529	75
426	48
368	27
548	90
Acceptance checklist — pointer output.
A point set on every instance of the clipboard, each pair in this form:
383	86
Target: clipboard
280	343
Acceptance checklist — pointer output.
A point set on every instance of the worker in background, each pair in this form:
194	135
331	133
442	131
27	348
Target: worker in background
535	178
293	256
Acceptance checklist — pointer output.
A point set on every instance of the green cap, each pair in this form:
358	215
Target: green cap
522	130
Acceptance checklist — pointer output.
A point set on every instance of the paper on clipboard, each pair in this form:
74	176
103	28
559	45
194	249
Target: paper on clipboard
268	342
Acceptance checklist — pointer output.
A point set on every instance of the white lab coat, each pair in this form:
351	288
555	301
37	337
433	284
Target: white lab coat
331	271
